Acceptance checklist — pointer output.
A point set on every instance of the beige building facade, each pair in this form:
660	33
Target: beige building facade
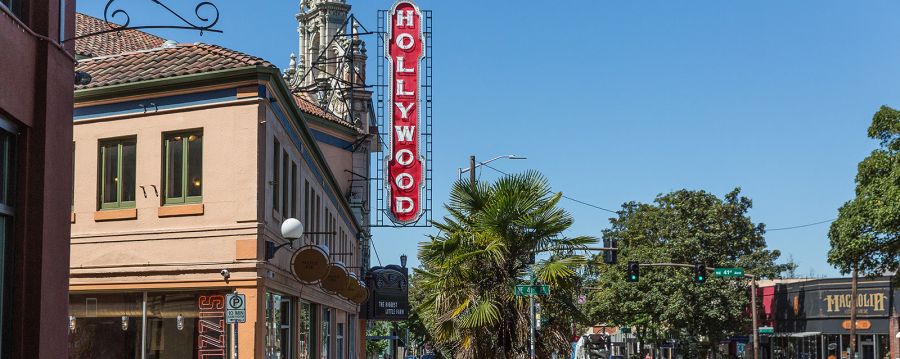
188	158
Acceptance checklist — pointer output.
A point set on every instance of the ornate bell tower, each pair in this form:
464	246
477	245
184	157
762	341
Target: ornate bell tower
329	70
330	64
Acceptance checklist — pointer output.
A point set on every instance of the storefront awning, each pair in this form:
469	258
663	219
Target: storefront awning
797	334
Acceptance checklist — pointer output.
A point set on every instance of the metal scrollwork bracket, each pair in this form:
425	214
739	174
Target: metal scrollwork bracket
205	23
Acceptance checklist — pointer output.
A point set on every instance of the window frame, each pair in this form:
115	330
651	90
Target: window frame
276	166
185	167
119	142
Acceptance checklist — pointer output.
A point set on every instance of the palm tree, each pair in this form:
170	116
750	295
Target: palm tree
486	245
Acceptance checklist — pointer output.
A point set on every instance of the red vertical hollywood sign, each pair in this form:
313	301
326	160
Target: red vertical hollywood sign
405	162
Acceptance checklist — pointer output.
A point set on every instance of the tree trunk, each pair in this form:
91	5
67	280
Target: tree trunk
853	298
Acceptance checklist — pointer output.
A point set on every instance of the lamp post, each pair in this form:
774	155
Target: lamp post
473	166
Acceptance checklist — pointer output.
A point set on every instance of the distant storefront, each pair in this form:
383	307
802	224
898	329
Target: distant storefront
812	319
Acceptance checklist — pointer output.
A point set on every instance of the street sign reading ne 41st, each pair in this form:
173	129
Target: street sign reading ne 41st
524	290
729	272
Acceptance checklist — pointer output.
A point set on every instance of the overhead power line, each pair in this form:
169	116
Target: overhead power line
802	225
611	211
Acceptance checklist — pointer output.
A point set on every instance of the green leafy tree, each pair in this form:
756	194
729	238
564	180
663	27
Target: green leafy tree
684	227
484	248
375	348
866	233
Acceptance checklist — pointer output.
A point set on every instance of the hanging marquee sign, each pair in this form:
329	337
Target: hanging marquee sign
389	297
405	170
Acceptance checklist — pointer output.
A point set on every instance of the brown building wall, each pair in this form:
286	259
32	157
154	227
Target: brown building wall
36	96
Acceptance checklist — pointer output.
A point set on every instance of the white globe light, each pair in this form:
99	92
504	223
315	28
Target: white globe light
291	228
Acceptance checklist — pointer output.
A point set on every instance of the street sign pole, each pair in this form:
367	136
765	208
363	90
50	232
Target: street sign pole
755	317
531	301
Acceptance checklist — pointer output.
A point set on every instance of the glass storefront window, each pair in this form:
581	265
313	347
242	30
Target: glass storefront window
326	332
304	334
832	346
278	326
339	337
105	326
171	323
884	347
174	325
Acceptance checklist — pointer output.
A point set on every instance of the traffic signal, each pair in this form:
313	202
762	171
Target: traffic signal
610	257
699	272
634	272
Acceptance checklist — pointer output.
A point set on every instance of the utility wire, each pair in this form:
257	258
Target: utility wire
563	196
611	211
372	240
801	226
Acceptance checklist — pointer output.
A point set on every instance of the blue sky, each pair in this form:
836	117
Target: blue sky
621	100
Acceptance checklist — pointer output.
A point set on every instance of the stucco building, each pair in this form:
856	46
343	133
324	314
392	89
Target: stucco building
36	68
188	158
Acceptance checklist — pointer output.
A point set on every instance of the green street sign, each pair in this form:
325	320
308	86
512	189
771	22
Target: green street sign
766	330
525	290
729	272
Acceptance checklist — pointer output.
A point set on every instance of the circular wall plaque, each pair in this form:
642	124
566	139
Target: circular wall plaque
350	289
361	293
336	279
310	264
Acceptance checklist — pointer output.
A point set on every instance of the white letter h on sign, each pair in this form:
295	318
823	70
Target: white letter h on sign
405	18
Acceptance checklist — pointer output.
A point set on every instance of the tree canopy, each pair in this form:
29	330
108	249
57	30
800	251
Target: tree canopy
867	231
682	227
464	288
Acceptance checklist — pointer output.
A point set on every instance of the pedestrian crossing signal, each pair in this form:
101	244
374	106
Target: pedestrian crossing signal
634	272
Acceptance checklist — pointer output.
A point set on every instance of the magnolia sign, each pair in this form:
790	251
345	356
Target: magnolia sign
405	162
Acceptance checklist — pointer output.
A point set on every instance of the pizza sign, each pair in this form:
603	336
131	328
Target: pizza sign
405	162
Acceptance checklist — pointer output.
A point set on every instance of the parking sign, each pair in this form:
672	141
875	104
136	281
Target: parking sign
235	308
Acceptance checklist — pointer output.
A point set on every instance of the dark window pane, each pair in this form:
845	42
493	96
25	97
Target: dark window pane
294	190
110	173
174	171
7	166
285	181
276	150
195	164
128	169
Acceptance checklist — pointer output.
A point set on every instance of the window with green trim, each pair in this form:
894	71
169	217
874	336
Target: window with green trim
183	167
117	173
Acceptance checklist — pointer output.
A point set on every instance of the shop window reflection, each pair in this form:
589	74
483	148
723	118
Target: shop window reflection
107	326
164	312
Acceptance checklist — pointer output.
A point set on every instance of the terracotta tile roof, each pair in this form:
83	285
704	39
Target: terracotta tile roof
178	60
110	43
307	104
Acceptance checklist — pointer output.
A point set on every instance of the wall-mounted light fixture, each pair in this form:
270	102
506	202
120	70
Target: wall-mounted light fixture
124	323
179	322
71	324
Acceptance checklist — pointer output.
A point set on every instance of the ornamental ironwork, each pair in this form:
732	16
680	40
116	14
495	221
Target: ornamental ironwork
201	23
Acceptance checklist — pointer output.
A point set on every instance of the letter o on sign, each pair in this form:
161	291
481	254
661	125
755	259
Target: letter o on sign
404	181
404	157
405	41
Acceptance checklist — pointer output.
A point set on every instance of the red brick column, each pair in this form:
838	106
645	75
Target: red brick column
895	342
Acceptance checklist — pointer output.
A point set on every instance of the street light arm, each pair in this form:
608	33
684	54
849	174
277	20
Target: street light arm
479	164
